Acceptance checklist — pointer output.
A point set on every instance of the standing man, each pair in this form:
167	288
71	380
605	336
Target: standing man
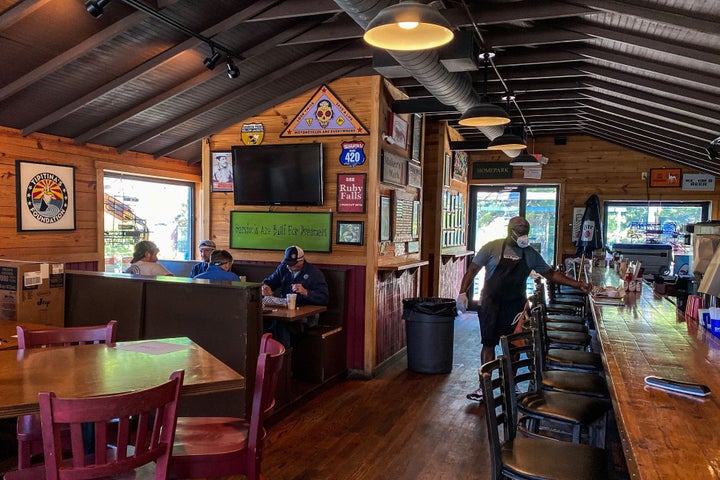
295	275
508	262
206	247
144	261
220	264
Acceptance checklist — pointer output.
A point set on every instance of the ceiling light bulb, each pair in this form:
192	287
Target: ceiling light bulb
408	25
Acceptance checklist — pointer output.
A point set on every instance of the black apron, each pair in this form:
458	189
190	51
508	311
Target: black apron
503	297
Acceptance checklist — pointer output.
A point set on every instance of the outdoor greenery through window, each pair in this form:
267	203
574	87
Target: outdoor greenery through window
140	208
652	222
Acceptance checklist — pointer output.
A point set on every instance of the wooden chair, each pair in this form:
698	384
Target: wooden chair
578	418
517	457
133	434
29	433
221	446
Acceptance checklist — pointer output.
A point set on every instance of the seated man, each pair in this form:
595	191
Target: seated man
295	275
219	267
206	247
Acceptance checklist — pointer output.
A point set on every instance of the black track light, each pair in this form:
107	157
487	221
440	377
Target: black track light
95	7
212	60
232	70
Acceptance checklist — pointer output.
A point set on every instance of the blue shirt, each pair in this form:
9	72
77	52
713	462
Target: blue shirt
215	272
199	268
309	277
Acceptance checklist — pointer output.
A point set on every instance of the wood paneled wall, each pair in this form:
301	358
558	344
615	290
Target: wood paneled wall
84	243
586	165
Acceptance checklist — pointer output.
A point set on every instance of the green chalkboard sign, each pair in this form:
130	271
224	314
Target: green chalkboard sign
278	230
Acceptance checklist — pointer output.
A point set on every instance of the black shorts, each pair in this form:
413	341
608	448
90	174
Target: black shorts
496	319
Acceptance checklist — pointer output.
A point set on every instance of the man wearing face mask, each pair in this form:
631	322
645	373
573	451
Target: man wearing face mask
508	262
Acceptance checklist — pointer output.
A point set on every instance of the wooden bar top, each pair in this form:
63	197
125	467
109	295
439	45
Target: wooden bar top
665	435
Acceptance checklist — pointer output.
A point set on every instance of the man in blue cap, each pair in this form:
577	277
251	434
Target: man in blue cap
296	275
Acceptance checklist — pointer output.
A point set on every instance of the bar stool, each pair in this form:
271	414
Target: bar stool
585	417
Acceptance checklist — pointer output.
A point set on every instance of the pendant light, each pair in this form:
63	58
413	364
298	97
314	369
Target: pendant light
408	26
508	140
525	160
485	114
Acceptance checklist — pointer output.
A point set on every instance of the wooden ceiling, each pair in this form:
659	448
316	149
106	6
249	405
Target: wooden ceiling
644	74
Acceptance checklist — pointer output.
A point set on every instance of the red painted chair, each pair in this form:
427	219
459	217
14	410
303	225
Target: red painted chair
121	444
221	446
29	433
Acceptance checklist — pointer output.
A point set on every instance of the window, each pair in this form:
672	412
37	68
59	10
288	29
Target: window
140	208
651	222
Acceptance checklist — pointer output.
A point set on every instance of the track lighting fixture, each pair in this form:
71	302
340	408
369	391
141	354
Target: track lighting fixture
232	70
96	7
407	26
212	60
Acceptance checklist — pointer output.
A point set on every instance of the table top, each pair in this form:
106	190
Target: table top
283	313
91	370
664	435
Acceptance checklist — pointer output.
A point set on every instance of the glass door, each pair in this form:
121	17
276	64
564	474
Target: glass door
492	206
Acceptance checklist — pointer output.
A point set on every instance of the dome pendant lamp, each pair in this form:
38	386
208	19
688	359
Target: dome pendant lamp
525	160
485	114
508	140
408	26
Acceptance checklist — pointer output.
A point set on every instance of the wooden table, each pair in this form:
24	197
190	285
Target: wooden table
287	315
664	435
8	332
90	370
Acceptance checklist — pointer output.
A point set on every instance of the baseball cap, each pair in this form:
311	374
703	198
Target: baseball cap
519	225
207	243
292	255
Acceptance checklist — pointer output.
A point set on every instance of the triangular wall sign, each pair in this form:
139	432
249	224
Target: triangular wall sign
324	114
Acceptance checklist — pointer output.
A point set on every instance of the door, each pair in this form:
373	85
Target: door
492	206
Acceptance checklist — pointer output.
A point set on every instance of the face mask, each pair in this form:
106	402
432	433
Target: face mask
523	241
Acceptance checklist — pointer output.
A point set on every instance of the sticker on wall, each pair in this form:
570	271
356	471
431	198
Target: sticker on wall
324	114
252	133
352	153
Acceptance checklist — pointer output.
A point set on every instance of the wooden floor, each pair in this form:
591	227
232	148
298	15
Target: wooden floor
400	425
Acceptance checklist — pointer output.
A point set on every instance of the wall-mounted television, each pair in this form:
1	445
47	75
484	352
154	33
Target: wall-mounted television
284	174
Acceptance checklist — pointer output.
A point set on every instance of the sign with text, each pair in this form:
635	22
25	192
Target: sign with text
351	193
481	170
278	230
698	181
665	177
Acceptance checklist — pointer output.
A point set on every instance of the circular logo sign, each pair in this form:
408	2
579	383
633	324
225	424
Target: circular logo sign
46	197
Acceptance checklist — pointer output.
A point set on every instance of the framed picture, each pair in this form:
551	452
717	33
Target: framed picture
398	131
222	172
417	127
447	170
45	196
394	169
384	219
460	166
665	177
415	218
351	193
349	233
414	175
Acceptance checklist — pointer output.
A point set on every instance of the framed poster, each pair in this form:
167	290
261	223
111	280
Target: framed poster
351	193
447	170
460	163
665	177
45	196
414	175
417	124
384	219
415	218
222	173
398	131
394	169
349	233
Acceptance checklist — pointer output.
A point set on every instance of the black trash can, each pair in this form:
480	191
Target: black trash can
430	330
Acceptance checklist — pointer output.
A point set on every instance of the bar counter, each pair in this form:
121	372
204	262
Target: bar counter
665	435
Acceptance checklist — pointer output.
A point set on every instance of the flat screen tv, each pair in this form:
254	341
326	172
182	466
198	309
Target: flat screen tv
289	174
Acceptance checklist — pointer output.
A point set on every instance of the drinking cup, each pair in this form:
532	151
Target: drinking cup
291	299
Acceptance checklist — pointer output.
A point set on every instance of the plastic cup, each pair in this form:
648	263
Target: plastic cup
291	299
243	278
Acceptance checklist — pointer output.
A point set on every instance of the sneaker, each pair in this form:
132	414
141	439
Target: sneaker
476	396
